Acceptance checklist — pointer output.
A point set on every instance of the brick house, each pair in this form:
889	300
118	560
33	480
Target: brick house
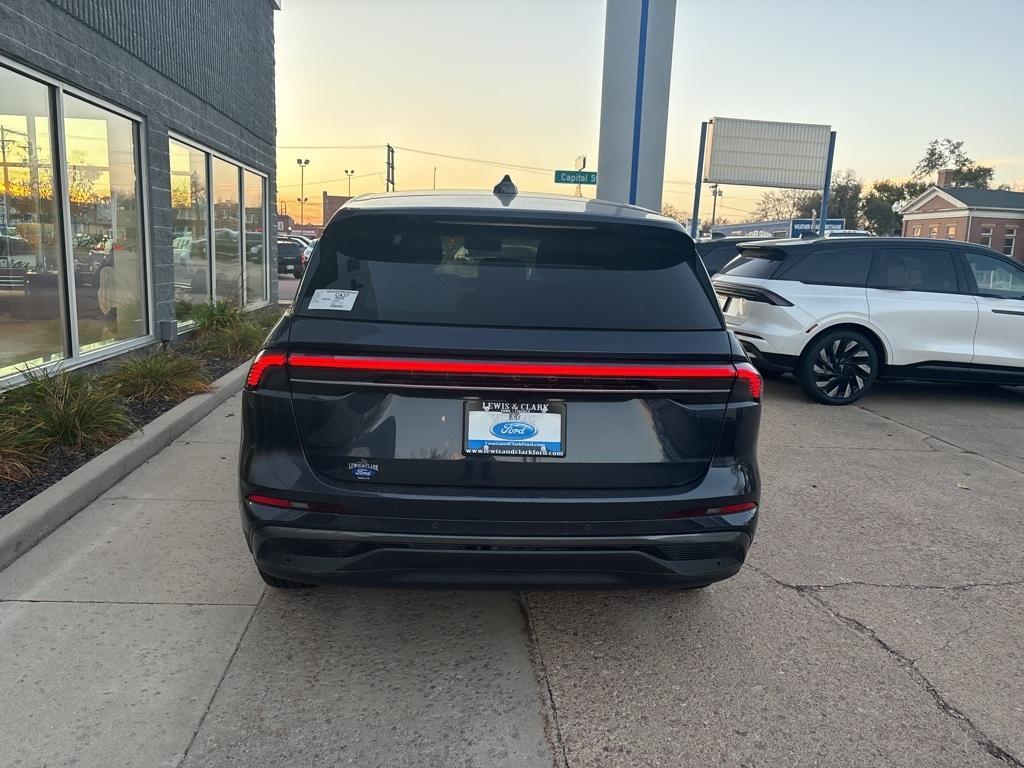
332	203
989	217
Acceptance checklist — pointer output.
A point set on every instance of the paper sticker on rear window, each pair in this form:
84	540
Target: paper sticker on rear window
340	301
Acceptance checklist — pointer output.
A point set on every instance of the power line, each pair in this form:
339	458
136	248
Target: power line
330	146
329	181
516	166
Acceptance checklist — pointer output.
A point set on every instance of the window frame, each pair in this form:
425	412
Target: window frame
821	248
75	358
957	263
1010	232
987	231
211	229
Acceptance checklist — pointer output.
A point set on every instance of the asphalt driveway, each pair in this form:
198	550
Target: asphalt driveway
877	623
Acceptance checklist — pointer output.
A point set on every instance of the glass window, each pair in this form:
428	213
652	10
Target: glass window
31	262
190	227
505	275
754	262
832	266
951	232
913	269
226	231
106	224
255	239
916	232
1008	240
933	232
994	277
986	236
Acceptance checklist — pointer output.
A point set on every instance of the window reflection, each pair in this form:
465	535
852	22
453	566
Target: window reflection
105	224
31	325
255	240
190	227
227	237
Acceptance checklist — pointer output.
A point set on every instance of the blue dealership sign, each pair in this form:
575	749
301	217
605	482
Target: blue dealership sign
800	226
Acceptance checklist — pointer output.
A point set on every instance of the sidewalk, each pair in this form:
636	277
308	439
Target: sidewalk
139	634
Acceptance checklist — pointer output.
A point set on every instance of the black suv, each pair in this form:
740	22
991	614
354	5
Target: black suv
719	251
500	389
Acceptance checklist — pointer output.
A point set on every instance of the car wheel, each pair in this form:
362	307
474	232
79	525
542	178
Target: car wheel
277	583
838	368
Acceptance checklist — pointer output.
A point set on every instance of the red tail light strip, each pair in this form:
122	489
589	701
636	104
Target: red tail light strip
264	360
268	359
502	368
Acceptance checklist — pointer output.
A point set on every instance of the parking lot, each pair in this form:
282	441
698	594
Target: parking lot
877	622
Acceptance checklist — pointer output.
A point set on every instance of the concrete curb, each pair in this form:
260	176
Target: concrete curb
37	518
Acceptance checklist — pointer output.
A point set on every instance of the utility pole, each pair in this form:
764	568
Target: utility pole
7	181
349	174
302	188
715	194
389	181
435	177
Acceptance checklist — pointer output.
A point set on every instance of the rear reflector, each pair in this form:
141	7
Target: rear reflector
724	375
310	506
728	509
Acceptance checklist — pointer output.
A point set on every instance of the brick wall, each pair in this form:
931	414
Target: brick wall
201	68
977	224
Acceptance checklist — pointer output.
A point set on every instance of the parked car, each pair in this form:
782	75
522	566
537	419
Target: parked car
301	239
289	258
500	389
847	233
719	251
843	313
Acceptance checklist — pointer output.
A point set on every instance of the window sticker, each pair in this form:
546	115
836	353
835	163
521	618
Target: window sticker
339	301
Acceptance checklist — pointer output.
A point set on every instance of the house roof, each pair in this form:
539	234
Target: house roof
986	198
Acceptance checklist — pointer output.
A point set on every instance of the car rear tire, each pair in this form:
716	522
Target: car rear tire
838	368
277	583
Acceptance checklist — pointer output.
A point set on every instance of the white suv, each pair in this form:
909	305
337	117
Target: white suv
841	313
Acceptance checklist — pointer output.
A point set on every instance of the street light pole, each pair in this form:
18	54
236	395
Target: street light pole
435	177
302	188
349	174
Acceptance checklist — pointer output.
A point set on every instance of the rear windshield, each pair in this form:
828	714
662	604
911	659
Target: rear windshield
539	275
754	262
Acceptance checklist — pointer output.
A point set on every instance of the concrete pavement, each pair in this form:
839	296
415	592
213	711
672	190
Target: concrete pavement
877	623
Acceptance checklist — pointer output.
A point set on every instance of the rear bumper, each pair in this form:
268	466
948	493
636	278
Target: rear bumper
325	556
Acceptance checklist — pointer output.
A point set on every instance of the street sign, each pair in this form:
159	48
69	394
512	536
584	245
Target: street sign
575	177
801	226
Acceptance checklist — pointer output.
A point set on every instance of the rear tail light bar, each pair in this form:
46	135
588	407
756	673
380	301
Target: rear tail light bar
728	509
750	293
303	506
744	375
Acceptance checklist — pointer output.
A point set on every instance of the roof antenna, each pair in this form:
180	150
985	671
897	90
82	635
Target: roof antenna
506	187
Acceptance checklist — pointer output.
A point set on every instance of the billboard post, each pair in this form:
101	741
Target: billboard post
695	221
827	189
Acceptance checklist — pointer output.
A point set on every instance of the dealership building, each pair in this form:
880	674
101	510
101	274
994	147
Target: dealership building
137	158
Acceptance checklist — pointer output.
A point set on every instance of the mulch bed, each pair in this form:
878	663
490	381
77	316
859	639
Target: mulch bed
61	462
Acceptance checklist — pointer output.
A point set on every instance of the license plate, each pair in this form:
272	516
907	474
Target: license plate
505	428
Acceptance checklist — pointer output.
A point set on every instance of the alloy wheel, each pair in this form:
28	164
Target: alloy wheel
842	368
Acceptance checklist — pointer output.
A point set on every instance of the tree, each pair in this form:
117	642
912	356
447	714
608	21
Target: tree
947	153
876	206
780	204
672	212
843	201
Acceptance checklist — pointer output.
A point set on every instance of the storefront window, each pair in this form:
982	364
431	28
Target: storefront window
227	232
190	228
255	239
31	263
106	224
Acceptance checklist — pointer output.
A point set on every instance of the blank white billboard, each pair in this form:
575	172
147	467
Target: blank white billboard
759	153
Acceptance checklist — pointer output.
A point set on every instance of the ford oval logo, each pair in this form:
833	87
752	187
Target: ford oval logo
513	430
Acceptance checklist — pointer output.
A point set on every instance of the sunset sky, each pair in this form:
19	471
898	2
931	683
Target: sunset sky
519	83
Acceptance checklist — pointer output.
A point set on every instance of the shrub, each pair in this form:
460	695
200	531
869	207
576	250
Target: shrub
73	410
243	339
21	446
162	374
216	316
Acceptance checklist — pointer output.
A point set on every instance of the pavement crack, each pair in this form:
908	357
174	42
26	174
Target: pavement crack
909	665
537	654
220	680
936	587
